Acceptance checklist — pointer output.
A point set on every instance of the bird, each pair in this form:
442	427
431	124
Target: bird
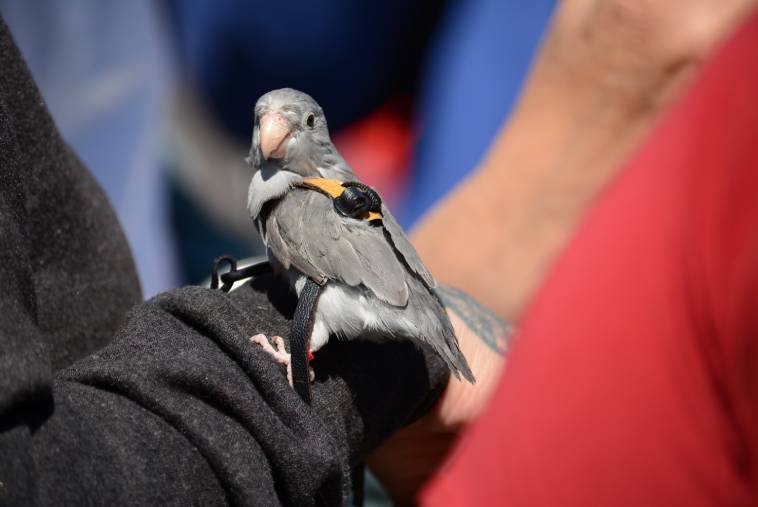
374	285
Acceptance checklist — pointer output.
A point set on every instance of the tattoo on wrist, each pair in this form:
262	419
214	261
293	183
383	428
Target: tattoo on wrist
491	329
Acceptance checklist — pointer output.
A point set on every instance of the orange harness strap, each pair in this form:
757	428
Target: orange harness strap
334	189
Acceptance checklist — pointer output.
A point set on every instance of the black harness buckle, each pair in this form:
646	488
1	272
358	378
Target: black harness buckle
357	200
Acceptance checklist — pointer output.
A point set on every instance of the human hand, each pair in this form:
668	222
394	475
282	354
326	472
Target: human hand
405	462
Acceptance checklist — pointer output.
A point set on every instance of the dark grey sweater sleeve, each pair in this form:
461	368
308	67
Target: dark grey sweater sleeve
106	401
181	407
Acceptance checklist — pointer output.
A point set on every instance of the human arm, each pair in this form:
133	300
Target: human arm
605	72
628	383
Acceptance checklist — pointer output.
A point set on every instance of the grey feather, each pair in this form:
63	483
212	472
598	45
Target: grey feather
375	285
352	311
303	226
405	248
268	185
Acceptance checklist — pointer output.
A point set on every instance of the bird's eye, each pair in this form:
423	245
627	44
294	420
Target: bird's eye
310	120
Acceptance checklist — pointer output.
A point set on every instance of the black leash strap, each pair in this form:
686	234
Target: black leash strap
302	326
302	322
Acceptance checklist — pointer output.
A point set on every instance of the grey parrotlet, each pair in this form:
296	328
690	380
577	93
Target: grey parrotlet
374	285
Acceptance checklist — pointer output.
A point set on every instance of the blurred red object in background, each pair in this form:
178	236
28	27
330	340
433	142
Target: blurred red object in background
379	148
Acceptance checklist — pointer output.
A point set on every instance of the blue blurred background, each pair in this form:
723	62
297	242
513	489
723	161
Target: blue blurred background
156	97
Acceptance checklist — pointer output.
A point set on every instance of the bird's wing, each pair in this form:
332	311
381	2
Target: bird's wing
305	232
406	249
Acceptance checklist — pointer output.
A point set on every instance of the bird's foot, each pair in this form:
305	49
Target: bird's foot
279	352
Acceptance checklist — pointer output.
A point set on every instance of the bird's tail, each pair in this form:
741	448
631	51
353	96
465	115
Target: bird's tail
447	347
455	359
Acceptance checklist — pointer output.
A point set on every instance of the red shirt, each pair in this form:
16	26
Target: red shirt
634	379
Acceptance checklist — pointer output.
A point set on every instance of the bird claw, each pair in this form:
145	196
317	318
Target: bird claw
279	353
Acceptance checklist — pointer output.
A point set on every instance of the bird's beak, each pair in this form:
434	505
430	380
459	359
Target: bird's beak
274	131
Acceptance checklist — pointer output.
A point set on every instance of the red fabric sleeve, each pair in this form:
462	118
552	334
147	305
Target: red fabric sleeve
633	380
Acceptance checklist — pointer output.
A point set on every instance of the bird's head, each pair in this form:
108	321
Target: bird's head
289	132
